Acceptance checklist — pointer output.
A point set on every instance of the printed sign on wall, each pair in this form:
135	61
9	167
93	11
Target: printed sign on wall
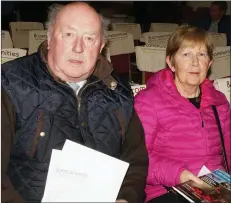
11	54
221	65
36	37
223	85
150	58
120	43
156	38
6	40
219	39
163	27
132	28
20	32
137	88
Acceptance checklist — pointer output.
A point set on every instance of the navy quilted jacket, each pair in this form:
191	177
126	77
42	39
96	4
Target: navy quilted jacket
47	113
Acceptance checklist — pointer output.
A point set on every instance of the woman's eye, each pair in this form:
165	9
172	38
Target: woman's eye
185	54
202	54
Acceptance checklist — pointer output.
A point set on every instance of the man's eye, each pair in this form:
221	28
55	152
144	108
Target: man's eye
89	38
68	34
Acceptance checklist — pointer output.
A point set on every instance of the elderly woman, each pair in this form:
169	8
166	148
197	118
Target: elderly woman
176	111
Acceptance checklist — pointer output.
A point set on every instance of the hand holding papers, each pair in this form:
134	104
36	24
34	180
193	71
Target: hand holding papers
80	174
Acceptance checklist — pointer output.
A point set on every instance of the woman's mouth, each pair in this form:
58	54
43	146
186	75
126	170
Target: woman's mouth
194	73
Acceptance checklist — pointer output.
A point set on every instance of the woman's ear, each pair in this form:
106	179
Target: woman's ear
169	62
210	63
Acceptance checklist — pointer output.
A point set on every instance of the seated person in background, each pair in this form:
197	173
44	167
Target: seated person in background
175	109
67	90
217	21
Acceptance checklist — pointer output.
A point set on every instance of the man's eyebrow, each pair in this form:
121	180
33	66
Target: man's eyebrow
72	28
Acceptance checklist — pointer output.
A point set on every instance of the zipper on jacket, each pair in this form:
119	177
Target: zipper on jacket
80	94
202	121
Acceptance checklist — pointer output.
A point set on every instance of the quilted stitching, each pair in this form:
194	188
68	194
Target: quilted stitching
31	90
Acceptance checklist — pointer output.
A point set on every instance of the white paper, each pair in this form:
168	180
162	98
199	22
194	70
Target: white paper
94	176
204	170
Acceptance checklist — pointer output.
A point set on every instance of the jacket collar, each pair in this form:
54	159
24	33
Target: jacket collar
165	80
103	68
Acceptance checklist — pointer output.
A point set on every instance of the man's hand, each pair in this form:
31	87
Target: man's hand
121	201
187	175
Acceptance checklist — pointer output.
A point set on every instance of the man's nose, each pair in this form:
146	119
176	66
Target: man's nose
78	45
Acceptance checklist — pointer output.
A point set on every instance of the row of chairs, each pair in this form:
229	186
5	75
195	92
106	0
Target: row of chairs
122	46
158	33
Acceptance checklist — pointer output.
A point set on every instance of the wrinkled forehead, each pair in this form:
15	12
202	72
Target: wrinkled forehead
79	20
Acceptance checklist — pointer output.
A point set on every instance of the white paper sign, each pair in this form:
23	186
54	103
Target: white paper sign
132	28
221	65
11	54
36	37
150	58
156	38
223	85
163	27
20	32
219	39
137	88
80	174
6	40
120	43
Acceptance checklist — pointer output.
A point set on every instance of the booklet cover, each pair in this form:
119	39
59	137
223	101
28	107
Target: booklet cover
216	188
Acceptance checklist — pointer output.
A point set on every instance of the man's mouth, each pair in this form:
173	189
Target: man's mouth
76	62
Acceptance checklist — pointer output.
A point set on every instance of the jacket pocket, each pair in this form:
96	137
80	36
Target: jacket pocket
39	128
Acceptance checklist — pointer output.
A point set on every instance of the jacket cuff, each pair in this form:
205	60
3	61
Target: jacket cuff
129	195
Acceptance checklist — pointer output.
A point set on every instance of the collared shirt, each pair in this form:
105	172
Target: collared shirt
76	86
214	26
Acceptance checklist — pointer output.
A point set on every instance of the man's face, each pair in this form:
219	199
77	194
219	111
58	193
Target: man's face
216	13
75	44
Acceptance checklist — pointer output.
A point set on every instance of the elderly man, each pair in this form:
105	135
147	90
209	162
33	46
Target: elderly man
67	91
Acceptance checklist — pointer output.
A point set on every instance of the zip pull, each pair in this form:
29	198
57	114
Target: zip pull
202	121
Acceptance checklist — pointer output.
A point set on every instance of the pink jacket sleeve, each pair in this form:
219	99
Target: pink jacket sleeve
162	170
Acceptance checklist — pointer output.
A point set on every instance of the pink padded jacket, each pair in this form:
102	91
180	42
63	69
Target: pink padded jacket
178	135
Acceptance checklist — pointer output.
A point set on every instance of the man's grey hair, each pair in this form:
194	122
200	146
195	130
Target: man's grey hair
53	11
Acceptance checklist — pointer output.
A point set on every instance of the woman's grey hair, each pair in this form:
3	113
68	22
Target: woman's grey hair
53	11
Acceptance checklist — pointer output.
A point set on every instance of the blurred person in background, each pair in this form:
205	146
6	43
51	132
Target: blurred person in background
217	21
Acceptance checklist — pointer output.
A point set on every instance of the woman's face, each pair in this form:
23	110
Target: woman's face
190	64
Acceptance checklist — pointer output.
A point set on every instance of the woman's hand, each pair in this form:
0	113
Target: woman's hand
187	175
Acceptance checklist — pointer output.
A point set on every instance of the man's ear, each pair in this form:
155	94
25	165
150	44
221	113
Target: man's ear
48	41
169	62
101	47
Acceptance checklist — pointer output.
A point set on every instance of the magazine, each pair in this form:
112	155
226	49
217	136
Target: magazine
216	188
